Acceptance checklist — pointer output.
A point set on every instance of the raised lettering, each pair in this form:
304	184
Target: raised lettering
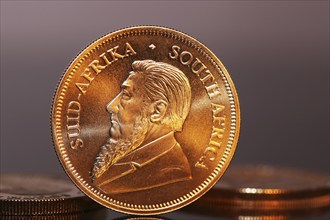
216	108
87	74
96	66
219	120
209	154
73	112
175	52
209	76
76	130
82	87
74	106
76	143
217	144
217	133
186	58
73	124
195	64
189	60
129	50
114	54
213	90
105	58
201	163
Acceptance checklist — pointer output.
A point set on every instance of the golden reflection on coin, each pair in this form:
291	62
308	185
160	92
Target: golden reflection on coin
267	190
145	120
36	194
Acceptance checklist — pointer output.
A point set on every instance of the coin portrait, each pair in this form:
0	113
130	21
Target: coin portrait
145	120
153	103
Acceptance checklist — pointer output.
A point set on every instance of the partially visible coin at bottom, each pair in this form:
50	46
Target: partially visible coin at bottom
23	194
95	214
268	191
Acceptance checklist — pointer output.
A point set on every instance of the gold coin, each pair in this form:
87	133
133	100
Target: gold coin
97	214
262	189
22	194
145	120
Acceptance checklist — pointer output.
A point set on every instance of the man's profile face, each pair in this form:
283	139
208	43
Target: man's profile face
127	107
141	114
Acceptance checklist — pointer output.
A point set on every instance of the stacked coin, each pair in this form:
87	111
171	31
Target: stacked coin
268	191
40	195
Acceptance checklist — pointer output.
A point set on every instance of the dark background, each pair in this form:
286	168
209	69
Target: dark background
277	53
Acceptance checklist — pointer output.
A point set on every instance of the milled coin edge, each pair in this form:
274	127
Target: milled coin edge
183	200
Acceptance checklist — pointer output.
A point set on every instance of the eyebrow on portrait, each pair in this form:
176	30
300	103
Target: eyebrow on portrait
125	86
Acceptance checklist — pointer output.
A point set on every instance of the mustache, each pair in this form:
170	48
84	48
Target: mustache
114	119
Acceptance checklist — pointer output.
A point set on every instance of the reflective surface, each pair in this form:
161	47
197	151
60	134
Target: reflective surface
35	194
201	209
254	190
105	214
145	120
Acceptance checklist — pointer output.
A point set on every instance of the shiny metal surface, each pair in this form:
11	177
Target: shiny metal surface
261	190
35	194
145	120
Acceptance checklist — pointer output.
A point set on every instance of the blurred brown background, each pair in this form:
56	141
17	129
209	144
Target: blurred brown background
277	53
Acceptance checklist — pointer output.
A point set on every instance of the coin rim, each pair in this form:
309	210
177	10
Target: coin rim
215	174
273	192
47	205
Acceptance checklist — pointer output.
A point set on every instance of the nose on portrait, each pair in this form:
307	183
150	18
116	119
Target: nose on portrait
112	106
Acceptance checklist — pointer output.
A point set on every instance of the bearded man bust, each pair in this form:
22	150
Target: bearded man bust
142	152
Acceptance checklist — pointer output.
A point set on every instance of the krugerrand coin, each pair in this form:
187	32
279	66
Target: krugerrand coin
261	190
145	120
34	194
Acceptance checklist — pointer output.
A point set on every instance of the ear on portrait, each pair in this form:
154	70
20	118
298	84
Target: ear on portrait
159	109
